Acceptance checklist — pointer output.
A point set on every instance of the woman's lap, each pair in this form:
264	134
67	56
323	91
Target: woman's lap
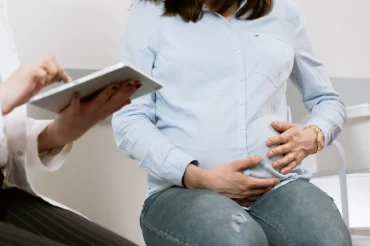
297	213
179	216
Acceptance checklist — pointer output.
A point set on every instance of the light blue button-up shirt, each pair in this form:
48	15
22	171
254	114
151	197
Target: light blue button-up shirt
224	84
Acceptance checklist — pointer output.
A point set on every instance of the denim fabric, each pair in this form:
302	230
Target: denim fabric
297	213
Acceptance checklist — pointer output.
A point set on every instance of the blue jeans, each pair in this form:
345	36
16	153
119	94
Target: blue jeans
297	213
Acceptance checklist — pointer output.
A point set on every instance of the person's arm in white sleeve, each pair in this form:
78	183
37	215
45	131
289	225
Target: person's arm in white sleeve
50	160
134	126
327	110
4	152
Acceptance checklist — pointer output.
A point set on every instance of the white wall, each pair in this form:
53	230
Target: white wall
339	31
83	34
86	34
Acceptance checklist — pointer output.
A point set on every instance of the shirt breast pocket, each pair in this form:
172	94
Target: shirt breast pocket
274	58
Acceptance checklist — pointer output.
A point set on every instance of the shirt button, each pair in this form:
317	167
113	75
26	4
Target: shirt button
19	153
238	52
1	6
245	156
242	127
241	102
241	78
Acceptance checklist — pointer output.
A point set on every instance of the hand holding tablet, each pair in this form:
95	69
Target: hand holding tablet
80	115
90	86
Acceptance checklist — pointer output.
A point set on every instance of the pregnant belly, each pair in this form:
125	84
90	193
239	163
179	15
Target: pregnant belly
258	133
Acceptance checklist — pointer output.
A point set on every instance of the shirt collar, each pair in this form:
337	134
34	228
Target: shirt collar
205	7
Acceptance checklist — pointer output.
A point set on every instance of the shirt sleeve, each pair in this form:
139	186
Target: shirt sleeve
48	161
319	97
134	126
4	151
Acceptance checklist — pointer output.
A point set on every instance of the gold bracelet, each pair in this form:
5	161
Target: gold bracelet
319	137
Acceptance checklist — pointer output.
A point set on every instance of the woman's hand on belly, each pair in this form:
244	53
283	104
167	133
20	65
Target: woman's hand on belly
293	143
228	179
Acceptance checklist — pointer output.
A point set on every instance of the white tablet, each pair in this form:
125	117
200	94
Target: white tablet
58	98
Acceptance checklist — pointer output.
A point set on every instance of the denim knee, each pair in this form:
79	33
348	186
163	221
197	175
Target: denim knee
251	234
299	213
336	235
198	218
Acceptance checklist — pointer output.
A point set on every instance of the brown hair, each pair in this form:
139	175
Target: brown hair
190	10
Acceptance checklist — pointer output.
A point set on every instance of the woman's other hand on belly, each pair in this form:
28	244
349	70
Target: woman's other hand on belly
294	144
228	180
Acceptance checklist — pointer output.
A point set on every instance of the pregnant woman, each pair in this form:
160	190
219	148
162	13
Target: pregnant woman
223	162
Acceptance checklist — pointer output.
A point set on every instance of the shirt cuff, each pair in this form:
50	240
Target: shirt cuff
47	161
4	151
175	165
325	127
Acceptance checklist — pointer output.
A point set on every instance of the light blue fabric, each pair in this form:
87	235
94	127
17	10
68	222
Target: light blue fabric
224	84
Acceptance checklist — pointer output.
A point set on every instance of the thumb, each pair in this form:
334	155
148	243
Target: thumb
246	163
281	126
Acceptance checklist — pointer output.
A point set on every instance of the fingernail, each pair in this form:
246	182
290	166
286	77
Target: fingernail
275	164
138	86
277	123
283	171
271	153
114	88
76	95
258	157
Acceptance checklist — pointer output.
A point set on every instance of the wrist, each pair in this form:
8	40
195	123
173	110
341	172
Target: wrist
5	105
311	140
319	137
194	177
49	139
5	109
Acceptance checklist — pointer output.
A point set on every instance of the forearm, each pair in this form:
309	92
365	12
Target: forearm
48	139
138	138
319	97
40	140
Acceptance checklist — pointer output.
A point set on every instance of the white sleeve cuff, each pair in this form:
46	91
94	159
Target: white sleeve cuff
48	161
4	151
